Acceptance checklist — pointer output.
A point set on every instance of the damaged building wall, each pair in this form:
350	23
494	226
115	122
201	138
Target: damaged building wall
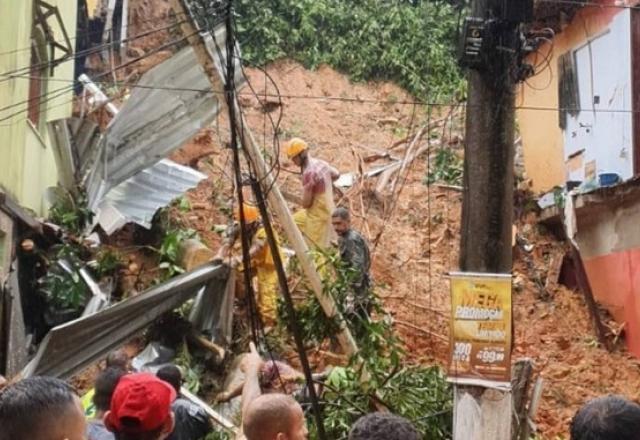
609	240
27	166
543	139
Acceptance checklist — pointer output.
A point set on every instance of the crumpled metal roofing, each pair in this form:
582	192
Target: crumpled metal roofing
169	105
139	197
74	345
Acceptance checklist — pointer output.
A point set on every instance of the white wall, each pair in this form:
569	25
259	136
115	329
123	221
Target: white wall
605	135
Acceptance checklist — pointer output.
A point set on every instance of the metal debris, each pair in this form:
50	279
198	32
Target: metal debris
72	346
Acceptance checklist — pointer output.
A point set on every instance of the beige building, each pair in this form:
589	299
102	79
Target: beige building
36	69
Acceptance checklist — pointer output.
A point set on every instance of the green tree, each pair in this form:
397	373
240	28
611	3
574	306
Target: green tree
411	43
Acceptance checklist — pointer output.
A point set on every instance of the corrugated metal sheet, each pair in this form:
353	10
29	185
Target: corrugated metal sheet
72	346
154	121
139	197
157	118
75	145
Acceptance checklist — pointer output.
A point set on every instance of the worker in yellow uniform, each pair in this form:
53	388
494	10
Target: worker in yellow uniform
314	220
261	262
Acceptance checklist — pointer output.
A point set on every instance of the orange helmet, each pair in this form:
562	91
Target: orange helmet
251	213
294	147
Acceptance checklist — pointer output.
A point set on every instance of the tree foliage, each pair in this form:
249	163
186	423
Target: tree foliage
411	43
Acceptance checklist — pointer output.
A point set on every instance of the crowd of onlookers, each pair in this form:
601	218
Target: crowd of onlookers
125	405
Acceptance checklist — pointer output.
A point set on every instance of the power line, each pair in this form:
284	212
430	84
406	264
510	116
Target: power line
121	66
83	34
354	100
89	51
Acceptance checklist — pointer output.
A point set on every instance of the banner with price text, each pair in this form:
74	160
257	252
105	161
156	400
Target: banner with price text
480	350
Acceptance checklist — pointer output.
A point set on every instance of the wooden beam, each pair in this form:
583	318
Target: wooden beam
585	287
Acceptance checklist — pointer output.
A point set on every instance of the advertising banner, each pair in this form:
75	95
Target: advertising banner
480	349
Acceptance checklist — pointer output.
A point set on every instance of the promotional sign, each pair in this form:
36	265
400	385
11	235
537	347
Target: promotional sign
480	350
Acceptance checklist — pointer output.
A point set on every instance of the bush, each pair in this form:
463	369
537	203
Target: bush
412	45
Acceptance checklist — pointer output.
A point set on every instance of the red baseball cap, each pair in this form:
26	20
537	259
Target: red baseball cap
143	401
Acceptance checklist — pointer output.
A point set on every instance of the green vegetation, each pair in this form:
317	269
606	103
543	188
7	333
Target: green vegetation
446	168
169	249
421	394
65	289
71	213
411	43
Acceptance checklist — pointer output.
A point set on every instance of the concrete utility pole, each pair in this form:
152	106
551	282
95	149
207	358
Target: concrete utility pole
487	210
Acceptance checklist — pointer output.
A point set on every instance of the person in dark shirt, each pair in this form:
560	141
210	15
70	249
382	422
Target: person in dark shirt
354	252
104	387
192	422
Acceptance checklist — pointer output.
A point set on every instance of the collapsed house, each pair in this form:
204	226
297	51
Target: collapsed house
586	155
126	178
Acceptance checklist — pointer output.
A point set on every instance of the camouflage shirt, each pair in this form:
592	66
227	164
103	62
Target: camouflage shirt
354	251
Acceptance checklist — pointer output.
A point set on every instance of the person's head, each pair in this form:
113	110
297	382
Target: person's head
609	417
297	151
41	408
274	417
341	220
141	408
383	426
105	385
172	375
118	359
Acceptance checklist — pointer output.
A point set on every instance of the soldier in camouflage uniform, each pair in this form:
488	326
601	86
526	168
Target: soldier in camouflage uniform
354	251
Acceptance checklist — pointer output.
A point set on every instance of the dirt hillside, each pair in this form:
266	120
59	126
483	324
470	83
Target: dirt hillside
418	241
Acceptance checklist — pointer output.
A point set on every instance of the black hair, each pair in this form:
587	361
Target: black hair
172	375
341	212
608	417
105	385
117	359
383	426
149	435
26	406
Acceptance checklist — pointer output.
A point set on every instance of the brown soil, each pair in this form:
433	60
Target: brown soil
418	243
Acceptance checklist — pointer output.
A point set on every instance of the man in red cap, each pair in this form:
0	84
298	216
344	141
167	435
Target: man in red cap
141	408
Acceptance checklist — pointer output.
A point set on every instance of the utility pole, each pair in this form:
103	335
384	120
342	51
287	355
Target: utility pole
492	48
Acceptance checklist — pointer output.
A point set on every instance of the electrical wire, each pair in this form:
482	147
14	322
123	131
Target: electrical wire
99	48
119	67
79	35
93	50
322	98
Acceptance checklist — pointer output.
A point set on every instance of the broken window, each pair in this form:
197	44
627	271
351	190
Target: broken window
568	93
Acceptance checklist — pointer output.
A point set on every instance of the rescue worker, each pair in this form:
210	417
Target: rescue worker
261	261
354	252
314	220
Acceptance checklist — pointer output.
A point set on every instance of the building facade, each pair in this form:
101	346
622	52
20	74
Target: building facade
36	70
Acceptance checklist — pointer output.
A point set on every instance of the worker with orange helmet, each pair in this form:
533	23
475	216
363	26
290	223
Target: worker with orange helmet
314	220
262	263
